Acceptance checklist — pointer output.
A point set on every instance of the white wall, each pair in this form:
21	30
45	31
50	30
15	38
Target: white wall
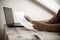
2	19
34	11
51	4
58	1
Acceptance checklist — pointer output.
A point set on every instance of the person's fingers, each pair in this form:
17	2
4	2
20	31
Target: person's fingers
28	18
25	16
34	26
35	22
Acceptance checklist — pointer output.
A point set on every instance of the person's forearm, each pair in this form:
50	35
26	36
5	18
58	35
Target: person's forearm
46	27
52	27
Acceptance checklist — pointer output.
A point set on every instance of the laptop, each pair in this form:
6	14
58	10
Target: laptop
9	18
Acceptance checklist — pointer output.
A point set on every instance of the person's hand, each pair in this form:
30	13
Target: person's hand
36	24
39	25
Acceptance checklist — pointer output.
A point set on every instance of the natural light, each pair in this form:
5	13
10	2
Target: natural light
51	4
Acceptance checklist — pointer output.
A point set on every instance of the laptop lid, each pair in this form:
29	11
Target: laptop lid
8	15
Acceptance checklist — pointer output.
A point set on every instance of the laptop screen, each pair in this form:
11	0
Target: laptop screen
8	15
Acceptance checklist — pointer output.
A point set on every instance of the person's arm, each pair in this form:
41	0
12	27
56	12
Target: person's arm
51	27
43	26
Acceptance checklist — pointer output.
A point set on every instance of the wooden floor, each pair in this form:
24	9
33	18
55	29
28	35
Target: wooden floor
21	33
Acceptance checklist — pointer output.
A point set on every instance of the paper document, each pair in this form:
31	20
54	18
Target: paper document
23	21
